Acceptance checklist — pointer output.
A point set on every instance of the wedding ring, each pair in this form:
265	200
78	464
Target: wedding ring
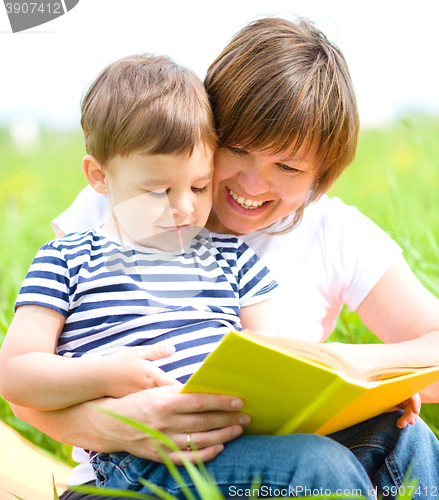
188	442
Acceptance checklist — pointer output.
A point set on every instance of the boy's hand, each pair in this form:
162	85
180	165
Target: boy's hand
411	407
129	370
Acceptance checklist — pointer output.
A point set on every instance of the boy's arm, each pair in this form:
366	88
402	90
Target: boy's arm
32	375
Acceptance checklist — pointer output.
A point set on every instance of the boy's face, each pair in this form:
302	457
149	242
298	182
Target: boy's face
160	201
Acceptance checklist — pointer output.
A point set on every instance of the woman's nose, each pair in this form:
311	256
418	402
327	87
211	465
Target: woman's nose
254	179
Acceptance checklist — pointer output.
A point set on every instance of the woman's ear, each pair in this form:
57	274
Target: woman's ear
95	174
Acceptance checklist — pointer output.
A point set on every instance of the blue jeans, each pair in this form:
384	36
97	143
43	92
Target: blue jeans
385	452
302	463
299	464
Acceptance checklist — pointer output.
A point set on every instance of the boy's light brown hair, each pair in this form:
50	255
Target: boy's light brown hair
146	104
280	84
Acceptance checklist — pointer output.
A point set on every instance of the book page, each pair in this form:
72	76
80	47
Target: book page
327	357
314	352
387	372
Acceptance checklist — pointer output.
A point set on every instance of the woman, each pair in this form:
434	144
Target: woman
287	123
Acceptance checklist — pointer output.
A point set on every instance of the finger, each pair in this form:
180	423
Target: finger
205	455
416	404
400	406
160	378
202	402
408	417
156	377
204	422
144	449
403	421
157	351
201	440
394	408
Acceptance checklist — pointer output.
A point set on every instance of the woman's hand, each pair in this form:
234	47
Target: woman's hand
211	419
411	407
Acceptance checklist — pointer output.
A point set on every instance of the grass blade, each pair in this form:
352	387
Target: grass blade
111	492
159	436
55	493
141	427
175	472
157	490
202	481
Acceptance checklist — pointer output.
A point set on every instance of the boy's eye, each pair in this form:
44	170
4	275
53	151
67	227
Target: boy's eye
159	193
199	190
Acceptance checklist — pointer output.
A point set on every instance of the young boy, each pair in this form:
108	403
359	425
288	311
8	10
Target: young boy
151	274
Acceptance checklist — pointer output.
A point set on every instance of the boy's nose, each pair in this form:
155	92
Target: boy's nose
182	206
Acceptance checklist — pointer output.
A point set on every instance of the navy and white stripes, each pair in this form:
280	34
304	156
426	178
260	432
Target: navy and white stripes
114	297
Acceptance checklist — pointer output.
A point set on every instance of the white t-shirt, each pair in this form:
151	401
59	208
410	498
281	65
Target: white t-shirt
334	257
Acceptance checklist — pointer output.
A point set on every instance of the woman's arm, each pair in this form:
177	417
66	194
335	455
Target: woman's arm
59	233
259	317
211	419
404	315
87	210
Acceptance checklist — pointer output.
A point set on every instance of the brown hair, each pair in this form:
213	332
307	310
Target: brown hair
147	104
280	84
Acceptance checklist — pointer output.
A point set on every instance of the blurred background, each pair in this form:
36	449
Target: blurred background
391	48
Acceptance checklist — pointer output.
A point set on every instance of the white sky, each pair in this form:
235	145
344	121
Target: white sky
391	47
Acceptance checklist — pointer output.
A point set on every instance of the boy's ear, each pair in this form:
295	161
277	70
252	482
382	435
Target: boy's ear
95	174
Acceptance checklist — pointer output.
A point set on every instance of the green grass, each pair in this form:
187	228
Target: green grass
394	180
34	188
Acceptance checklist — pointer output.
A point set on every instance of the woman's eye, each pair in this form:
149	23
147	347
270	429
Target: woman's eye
159	193
237	151
286	168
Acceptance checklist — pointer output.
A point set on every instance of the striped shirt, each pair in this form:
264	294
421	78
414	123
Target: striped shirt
114	297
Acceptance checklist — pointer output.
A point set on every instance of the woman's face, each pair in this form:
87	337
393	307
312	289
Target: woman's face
253	189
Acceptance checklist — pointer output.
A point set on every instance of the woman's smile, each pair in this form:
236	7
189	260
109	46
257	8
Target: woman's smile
247	204
254	189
